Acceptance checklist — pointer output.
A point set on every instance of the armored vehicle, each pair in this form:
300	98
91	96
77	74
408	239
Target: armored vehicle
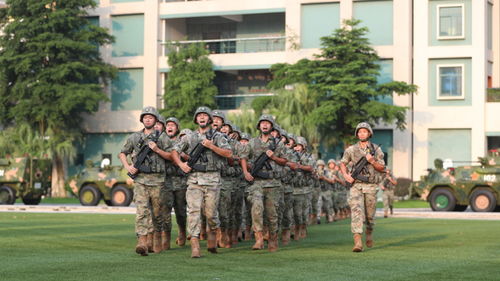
110	183
26	178
453	189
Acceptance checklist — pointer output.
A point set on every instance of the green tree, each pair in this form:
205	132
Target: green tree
344	78
51	72
245	119
189	82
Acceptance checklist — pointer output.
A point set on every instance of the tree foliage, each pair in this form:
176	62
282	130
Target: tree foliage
344	78
189	82
50	73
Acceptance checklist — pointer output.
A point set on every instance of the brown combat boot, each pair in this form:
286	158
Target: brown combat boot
358	244
142	245
157	247
181	237
369	238
303	231
392	213
259	241
212	242
248	233
296	234
233	233
219	238
226	238
203	233
386	213
330	218
285	237
150	242
165	240
266	233
195	247
272	245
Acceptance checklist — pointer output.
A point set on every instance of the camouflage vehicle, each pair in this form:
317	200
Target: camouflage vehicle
110	183
453	189
26	178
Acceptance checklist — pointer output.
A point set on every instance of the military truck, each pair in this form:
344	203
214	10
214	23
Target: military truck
106	182
454	189
27	178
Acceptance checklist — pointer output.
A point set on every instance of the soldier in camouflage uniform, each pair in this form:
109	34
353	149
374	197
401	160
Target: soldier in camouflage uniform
286	181
387	186
204	180
147	186
326	184
238	192
264	193
363	195
177	183
336	185
247	214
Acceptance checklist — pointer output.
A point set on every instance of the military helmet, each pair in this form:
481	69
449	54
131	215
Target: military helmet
173	119
265	117
320	162
332	161
230	124
202	109
237	129
149	110
245	136
220	114
363	125
302	141
162	120
185	132
292	137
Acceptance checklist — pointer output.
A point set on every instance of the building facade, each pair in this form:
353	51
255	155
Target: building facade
449	48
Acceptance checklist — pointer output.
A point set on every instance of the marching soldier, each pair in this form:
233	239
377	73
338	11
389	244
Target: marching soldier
363	194
387	187
326	183
147	185
204	180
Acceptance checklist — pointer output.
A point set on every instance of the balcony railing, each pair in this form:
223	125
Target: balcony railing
493	95
239	45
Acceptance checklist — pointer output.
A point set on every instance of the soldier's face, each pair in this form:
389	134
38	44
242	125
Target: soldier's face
244	141
275	133
202	119
217	123
171	129
159	126
321	167
265	127
331	166
299	148
149	121
226	129
291	143
363	134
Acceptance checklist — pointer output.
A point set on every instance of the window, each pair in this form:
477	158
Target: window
450	22
450	81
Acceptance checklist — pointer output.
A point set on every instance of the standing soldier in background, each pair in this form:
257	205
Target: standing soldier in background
388	185
238	192
264	193
327	181
204	181
147	186
247	214
363	195
286	181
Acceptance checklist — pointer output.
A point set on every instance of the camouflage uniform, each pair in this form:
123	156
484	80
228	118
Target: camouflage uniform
287	182
363	196
147	187
203	187
388	195
302	190
177	184
326	193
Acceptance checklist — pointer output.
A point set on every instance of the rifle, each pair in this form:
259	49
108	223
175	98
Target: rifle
142	156
359	167
262	161
199	152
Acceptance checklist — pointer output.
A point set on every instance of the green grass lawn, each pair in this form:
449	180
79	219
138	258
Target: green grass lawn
101	247
407	204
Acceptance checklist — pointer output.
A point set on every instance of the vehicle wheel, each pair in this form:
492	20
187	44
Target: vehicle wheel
108	202
89	195
121	196
31	200
483	200
460	208
7	195
442	200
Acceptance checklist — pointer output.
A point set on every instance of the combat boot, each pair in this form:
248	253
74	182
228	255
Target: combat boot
392	213
181	237
369	238
248	233
358	244
386	212
266	233
330	218
303	231
157	247
259	241
272	245
233	233
212	242
220	242
150	242
226	238
285	237
296	235
203	233
142	245
165	240
195	247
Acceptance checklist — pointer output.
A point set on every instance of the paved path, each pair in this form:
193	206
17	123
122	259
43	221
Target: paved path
103	209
